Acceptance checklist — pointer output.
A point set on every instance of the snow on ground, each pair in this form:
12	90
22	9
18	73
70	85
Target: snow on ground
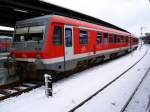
141	99
113	98
71	91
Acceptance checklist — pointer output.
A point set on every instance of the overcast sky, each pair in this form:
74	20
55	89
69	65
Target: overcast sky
127	14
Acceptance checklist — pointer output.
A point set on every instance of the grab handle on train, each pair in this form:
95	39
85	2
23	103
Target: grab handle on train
48	85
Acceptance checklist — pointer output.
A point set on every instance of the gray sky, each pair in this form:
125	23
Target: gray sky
127	14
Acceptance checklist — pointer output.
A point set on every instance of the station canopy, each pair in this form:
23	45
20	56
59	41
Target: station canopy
14	10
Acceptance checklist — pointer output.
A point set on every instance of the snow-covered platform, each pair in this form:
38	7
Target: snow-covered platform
71	91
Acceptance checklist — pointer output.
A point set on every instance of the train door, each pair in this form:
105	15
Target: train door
68	46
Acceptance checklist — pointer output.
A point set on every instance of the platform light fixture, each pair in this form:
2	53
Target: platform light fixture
21	10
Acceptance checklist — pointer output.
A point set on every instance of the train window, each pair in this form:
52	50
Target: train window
136	40
32	33
36	33
20	34
68	37
35	36
57	35
20	37
83	37
118	39
99	37
122	38
111	38
115	38
105	38
126	39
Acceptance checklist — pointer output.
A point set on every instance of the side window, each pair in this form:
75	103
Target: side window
105	38
122	38
115	38
99	37
68	37
57	35
126	39
111	38
83	37
118	39
135	40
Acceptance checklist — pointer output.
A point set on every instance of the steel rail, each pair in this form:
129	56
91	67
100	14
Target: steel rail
101	89
6	94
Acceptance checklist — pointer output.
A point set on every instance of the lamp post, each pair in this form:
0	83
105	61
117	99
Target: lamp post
141	28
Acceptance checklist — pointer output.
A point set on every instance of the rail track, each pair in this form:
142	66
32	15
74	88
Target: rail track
18	88
107	85
137	87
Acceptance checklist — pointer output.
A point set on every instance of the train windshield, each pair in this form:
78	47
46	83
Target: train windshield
32	33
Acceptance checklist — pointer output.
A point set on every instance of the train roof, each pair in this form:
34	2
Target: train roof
66	20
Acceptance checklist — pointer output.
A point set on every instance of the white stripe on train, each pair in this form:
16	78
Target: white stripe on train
77	56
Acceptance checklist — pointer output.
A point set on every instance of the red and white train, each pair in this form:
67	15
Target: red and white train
57	43
5	43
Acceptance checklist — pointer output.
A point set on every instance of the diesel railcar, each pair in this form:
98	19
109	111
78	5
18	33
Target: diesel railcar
57	44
